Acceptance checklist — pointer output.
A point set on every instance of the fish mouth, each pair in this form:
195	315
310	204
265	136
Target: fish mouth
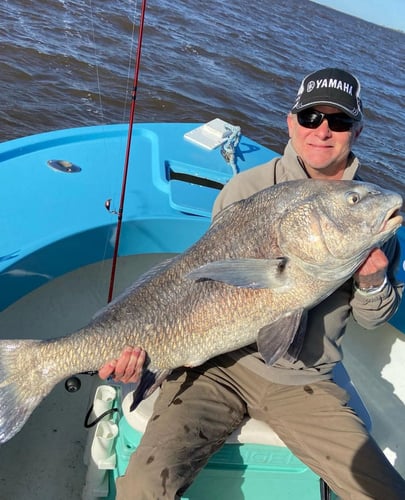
392	221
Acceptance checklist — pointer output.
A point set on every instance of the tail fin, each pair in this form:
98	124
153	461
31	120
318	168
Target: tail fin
22	385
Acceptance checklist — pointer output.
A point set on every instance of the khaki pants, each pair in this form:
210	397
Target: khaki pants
197	409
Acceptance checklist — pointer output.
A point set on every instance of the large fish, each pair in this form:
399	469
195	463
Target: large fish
264	260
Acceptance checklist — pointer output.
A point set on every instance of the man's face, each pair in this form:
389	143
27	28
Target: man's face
323	151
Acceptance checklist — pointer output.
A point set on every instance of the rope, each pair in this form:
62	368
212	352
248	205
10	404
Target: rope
128	149
229	148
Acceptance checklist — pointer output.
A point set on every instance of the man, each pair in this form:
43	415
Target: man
198	408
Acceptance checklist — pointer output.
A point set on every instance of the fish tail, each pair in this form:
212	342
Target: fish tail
23	384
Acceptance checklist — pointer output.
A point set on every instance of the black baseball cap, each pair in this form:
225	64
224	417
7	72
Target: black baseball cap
332	87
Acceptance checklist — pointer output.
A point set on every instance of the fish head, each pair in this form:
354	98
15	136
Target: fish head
331	226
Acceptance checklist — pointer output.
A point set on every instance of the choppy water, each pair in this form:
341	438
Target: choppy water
67	63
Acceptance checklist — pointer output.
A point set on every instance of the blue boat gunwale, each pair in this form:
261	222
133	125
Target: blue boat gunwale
152	197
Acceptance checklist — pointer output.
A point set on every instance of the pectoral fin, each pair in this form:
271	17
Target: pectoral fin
249	273
275	340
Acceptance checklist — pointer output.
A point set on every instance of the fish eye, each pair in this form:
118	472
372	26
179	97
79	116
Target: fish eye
352	197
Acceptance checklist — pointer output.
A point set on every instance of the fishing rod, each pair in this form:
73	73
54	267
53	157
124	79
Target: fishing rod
127	153
72	384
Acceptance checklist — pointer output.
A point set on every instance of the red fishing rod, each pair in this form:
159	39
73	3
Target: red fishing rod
128	149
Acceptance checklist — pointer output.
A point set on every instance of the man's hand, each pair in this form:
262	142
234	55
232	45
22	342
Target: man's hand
127	368
373	270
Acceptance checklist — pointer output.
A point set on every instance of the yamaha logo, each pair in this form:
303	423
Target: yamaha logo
310	86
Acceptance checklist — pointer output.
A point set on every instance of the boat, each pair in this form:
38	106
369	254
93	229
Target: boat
60	199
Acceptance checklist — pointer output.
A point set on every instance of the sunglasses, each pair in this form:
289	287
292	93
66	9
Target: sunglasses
337	122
